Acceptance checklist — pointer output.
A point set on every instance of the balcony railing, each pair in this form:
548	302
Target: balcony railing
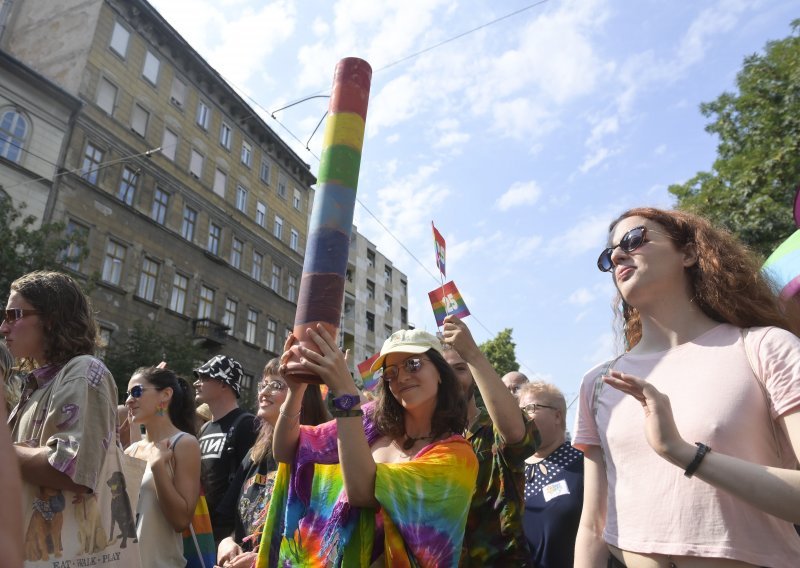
210	330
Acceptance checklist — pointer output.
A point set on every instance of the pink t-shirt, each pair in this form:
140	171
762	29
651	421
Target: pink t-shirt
652	506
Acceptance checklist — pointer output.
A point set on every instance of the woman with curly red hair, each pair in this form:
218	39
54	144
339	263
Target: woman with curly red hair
690	459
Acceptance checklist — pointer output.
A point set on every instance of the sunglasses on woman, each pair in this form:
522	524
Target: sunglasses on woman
411	365
137	391
12	315
629	242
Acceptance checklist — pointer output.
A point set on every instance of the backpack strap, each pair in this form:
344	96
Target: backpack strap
762	385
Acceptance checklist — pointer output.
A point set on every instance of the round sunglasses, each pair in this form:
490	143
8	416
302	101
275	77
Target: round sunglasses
411	365
629	242
138	390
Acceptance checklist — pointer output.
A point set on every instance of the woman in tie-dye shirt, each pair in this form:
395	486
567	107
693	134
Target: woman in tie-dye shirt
390	487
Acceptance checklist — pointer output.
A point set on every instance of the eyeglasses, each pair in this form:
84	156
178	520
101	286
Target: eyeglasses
272	386
530	409
136	392
629	242
12	315
411	365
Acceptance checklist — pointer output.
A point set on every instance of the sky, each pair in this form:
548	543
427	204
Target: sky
521	140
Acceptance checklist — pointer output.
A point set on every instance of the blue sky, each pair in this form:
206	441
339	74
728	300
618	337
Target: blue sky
521	140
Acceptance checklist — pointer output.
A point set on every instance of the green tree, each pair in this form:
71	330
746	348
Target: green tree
751	185
146	345
500	352
24	248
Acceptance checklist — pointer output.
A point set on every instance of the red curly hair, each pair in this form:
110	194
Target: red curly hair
726	279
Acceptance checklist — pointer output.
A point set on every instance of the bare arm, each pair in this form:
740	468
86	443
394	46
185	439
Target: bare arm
502	406
355	456
591	550
36	470
773	490
10	489
287	428
177	495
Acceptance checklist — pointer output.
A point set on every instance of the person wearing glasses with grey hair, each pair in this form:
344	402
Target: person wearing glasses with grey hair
691	436
553	479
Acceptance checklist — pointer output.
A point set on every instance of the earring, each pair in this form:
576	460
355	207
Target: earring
162	406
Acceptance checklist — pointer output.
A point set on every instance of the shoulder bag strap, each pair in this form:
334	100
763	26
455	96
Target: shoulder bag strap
762	385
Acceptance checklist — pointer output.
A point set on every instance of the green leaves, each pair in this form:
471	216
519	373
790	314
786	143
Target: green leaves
500	352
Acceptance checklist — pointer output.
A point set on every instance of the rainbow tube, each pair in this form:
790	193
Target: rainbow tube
322	283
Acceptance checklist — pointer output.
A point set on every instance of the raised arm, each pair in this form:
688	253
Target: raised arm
502	406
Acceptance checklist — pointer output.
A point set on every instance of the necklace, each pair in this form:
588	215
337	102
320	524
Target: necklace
410	441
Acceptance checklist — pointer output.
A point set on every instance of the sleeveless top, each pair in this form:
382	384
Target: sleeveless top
159	545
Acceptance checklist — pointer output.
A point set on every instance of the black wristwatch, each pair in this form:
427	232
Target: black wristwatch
343	405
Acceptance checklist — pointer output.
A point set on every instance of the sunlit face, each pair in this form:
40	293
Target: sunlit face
25	336
466	382
272	391
514	381
417	389
549	420
143	399
207	389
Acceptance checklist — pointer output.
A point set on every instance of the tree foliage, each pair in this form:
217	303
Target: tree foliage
25	248
751	185
146	345
500	352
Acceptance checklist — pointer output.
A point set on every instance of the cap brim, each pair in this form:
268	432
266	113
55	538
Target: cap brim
410	349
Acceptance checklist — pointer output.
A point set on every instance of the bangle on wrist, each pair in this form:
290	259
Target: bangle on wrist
282	412
702	450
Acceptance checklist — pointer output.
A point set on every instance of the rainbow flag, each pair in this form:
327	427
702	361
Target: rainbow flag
446	300
369	379
783	266
438	243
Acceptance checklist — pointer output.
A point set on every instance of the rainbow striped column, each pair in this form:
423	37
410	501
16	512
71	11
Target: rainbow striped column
322	284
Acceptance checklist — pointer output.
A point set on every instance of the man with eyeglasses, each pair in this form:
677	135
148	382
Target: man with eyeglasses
225	440
514	381
502	438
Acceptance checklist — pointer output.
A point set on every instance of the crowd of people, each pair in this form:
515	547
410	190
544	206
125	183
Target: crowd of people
683	454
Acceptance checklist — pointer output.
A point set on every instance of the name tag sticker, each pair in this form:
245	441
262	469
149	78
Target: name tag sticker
555	490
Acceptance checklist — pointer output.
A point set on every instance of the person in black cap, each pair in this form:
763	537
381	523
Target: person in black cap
224	440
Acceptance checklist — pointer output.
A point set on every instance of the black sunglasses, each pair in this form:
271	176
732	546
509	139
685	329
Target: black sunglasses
411	365
629	242
14	314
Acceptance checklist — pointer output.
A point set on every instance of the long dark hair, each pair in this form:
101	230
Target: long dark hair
726	280
450	414
65	312
181	406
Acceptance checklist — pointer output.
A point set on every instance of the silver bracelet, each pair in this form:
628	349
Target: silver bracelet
289	416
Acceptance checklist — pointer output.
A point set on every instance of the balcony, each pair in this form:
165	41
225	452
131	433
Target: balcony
210	332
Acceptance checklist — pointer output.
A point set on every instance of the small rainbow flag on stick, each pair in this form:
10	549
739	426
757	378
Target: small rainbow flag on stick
446	300
369	379
438	243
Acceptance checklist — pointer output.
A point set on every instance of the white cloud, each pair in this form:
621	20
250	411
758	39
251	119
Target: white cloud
581	297
587	234
524	247
596	157
605	348
520	193
660	150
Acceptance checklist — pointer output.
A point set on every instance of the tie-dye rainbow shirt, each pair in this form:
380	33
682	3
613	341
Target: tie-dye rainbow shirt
424	506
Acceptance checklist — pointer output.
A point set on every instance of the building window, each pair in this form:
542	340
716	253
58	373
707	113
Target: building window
272	331
265	167
261	214
387	275
177	300
404	287
189	221
297	201
220	180
13	129
282	185
277	230
225	136
237	247
127	185
214	236
348	275
387	304
371	258
387	330
292	294
241	199
160	203
139	119
92	158
112	264
169	144
247	154
119	40
196	164
252	325
150	69
370	322
294	240
103	341
73	254
403	317
203	115
276	278
229	318
178	94
205	304
106	95
258	263
148	279
370	289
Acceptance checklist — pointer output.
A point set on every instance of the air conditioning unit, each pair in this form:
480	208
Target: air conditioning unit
176	102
